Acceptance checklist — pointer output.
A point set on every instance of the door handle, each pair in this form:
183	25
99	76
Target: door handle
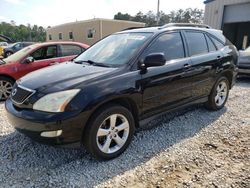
186	66
53	63
219	58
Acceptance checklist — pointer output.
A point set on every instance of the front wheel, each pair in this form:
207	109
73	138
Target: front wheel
219	94
109	132
7	54
6	85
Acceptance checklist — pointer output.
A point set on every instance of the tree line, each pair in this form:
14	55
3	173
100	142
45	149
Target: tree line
150	18
21	32
36	33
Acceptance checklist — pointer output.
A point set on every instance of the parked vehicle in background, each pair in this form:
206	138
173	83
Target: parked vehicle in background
244	61
2	46
35	57
13	48
121	82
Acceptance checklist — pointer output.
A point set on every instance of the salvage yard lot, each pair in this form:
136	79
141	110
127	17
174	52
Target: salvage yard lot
194	147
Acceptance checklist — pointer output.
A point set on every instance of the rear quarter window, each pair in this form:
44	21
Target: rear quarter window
217	43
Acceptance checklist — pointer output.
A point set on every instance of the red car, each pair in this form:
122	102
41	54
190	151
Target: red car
32	58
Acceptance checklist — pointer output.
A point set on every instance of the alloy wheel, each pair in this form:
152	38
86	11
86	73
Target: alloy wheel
5	89
112	133
221	93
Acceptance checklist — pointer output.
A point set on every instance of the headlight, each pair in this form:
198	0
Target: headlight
55	102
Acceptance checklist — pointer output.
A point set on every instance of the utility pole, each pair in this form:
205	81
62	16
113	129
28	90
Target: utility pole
158	12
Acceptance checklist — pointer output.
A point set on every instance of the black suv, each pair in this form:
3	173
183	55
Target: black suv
13	48
100	98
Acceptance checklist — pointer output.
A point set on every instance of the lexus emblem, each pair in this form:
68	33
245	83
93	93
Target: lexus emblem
14	92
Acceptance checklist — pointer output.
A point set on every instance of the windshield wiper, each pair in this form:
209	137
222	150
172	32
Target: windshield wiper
91	63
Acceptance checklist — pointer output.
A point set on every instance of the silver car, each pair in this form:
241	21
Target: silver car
244	61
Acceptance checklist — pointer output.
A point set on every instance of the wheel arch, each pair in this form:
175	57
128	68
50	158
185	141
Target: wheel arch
229	76
122	101
8	76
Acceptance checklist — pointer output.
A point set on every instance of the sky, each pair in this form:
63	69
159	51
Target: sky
54	12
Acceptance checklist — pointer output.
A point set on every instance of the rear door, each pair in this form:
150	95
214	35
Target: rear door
204	58
69	51
170	85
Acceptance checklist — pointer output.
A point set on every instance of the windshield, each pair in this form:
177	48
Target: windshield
116	49
20	54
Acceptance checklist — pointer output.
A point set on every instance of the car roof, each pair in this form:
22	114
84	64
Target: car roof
62	42
174	27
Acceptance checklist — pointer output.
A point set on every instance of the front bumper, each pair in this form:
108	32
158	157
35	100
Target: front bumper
33	123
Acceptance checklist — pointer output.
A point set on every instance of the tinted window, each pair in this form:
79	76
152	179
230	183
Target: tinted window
196	43
170	44
45	53
38	54
51	52
68	50
210	44
217	43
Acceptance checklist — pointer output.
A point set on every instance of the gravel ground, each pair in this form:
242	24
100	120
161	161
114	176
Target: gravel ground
191	148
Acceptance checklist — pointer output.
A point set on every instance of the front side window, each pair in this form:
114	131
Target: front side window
196	43
51	52
68	50
45	53
38	54
170	44
116	49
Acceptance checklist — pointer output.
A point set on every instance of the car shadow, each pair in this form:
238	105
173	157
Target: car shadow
26	163
244	81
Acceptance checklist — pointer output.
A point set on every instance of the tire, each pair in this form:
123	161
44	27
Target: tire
219	94
6	85
7	54
105	146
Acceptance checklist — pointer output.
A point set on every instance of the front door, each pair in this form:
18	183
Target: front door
170	85
45	56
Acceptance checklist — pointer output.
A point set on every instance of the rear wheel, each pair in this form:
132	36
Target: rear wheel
109	132
6	85
219	94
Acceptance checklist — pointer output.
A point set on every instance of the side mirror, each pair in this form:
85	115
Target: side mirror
28	60
154	60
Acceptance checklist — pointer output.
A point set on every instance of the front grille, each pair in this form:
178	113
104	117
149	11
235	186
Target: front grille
19	94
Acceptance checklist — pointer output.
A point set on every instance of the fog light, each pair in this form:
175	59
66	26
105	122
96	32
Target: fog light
51	133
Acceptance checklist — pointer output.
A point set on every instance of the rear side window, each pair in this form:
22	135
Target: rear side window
68	50
210	44
170	44
196	43
217	43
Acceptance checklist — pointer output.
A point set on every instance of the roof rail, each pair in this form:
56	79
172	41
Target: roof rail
130	28
185	25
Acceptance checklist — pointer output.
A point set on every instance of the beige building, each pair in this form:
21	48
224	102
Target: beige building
231	16
88	31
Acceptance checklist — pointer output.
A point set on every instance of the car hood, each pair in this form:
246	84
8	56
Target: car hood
63	76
